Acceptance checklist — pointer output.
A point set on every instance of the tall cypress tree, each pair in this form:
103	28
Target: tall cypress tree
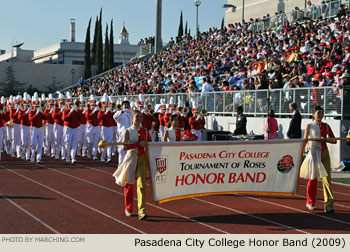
111	47
87	57
106	51
99	45
186	31
222	23
181	27
94	44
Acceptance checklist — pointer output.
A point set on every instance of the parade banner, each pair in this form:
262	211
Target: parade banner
188	169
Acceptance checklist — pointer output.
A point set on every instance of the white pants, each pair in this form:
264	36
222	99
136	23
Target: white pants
121	152
4	137
152	133
37	142
93	135
107	134
1	138
162	132
82	138
8	140
49	139
198	133
26	140
59	143
16	137
71	141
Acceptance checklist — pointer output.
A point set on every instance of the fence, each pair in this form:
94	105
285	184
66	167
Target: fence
257	102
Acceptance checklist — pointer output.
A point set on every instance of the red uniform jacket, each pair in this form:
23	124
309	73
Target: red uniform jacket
14	115
82	116
4	117
324	133
196	124
48	115
181	121
36	118
24	118
57	116
92	117
147	120
71	120
166	118
161	119
106	120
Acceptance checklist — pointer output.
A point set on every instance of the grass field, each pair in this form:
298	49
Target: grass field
342	180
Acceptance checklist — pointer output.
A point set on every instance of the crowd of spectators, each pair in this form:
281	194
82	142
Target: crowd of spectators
149	40
295	55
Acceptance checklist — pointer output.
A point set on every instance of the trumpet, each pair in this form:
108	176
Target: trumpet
149	107
119	107
88	106
77	103
181	110
99	105
185	110
113	105
42	105
204	112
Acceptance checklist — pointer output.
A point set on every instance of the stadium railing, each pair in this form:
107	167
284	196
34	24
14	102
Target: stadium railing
336	102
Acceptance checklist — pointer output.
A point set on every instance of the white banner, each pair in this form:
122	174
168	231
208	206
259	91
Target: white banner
188	169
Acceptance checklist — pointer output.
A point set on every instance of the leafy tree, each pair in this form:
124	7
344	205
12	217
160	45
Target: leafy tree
181	27
106	51
10	86
31	90
111	47
87	57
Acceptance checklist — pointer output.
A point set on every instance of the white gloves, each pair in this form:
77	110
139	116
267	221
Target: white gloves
95	110
73	109
17	109
28	110
51	111
108	110
63	108
84	111
198	117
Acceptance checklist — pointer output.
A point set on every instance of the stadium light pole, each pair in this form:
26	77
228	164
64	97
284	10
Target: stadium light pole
158	38
197	3
242	10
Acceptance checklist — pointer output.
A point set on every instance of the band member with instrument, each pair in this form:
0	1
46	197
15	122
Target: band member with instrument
148	121
4	117
71	118
161	118
49	145
123	119
82	137
58	127
16	127
25	127
93	129
36	117
106	118
197	122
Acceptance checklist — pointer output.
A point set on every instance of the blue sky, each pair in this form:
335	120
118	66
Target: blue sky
41	23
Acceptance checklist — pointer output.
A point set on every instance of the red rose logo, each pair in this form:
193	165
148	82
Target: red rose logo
287	161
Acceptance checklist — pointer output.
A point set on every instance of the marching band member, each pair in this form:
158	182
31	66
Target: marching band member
4	117
82	135
71	118
174	133
26	127
196	122
106	117
161	118
123	119
58	127
8	124
148	121
134	164
181	115
16	127
113	106
36	118
93	128
171	111
49	145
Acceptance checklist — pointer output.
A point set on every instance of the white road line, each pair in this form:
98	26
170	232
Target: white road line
158	207
295	209
30	214
75	200
251	215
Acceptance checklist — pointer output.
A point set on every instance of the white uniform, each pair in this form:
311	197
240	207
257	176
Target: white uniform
123	119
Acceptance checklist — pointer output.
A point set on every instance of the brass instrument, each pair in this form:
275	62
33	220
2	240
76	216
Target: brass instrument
99	105
119	107
149	107
204	112
56	105
77	103
181	110
113	105
88	106
185	110
42	105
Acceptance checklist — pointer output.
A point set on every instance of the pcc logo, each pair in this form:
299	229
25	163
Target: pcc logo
161	169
